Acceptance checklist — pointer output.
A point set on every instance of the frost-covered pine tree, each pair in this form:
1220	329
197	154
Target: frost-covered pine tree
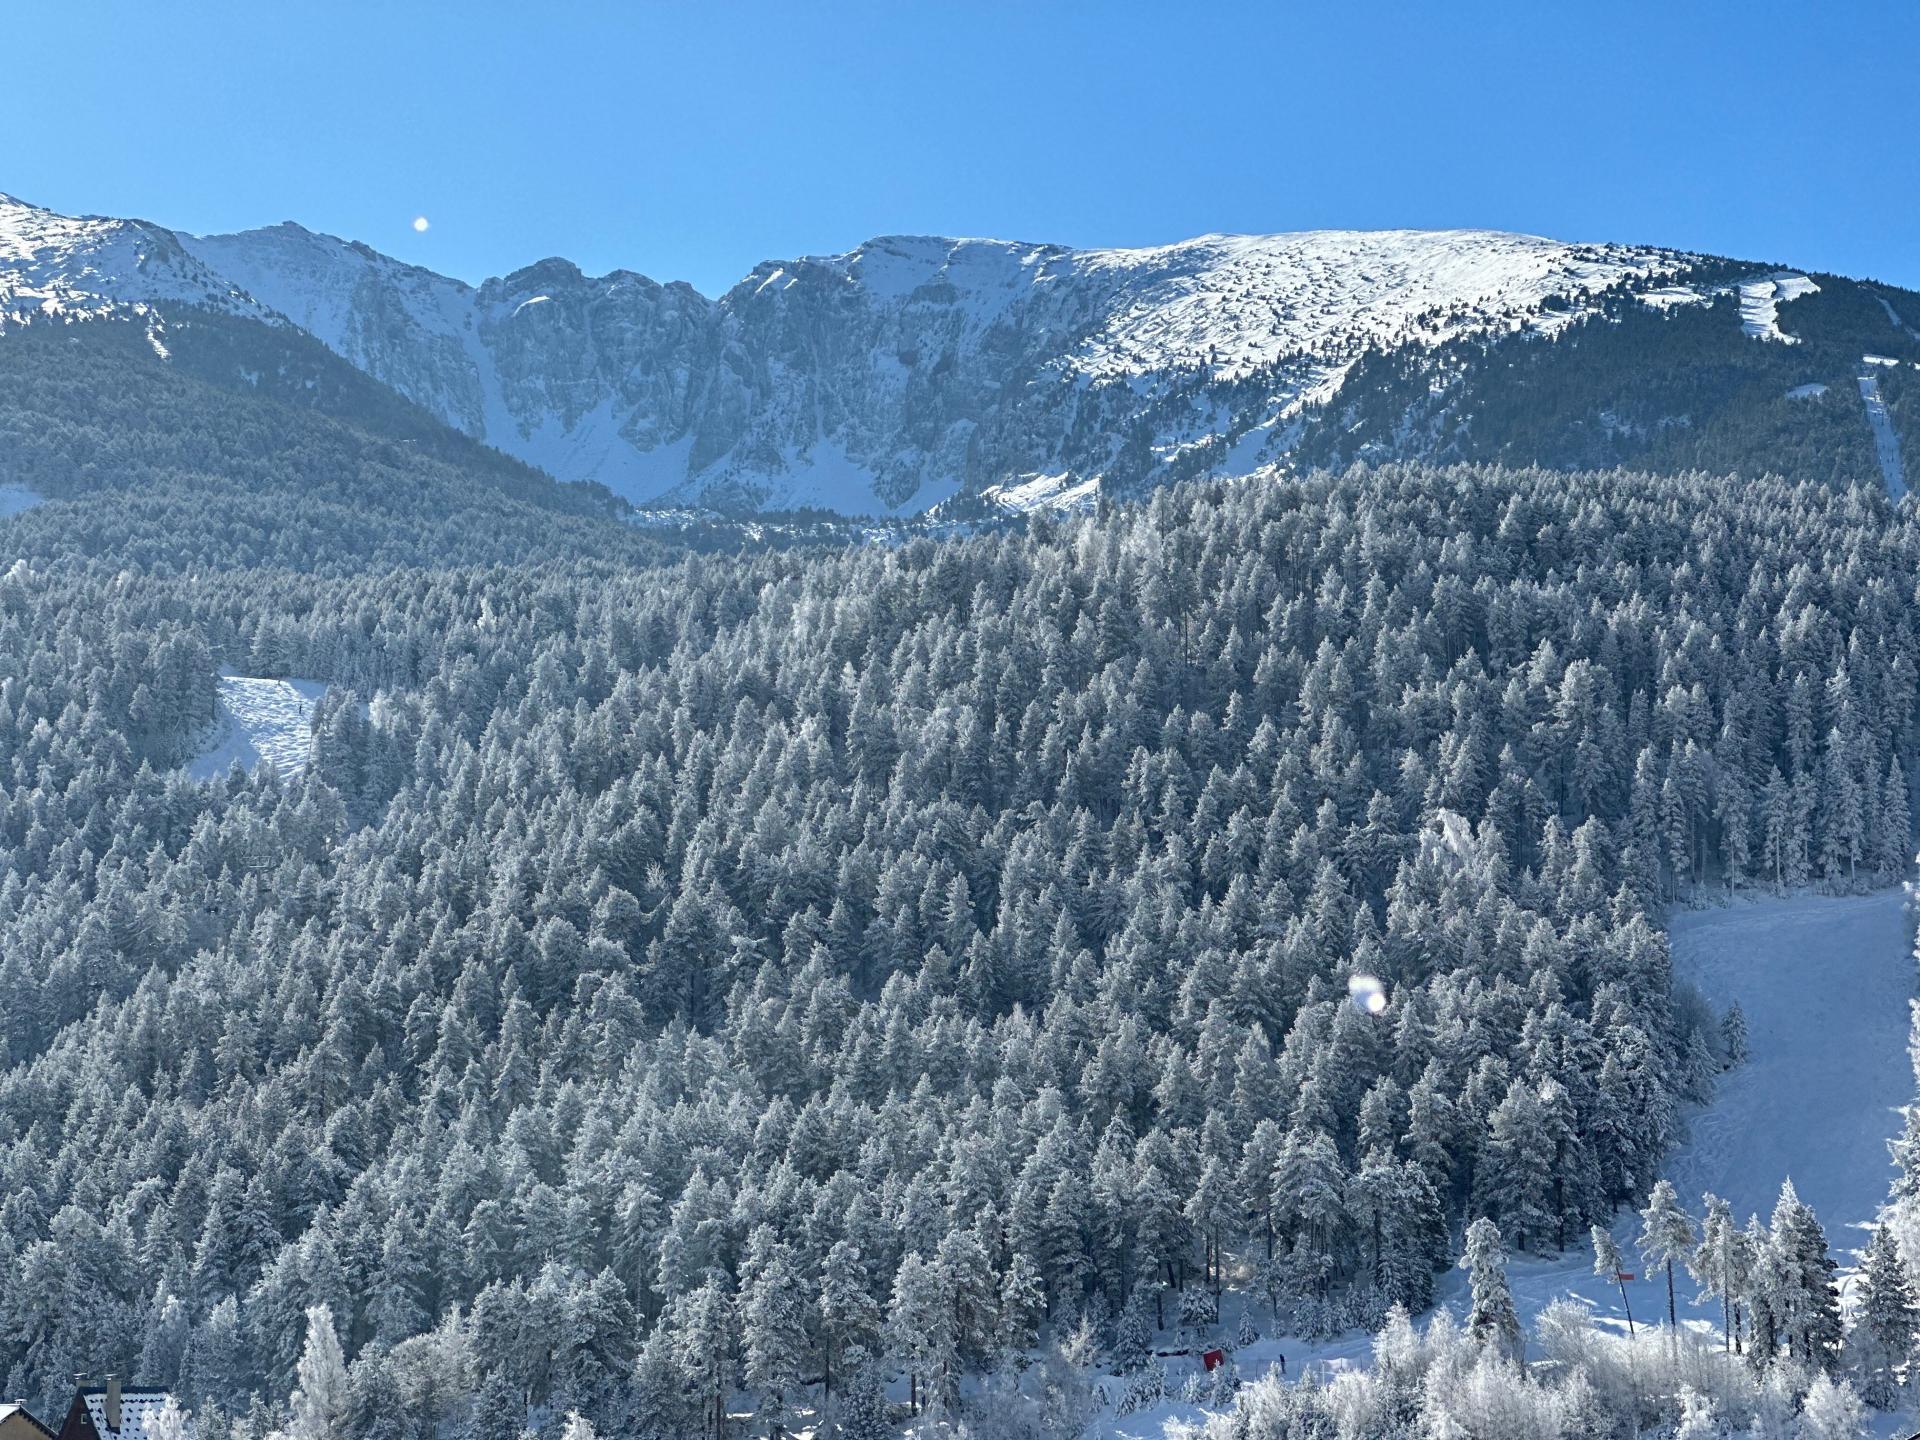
774	1332
1491	1319
849	1314
1733	1035
1133	1335
705	1344
1884	1327
172	1423
1247	1332
1712	1262
1512	1178
1697	1420
920	1323
862	1410
1796	1279
318	1409
1666	1237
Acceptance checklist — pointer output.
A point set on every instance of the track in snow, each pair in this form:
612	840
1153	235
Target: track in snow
1886	444
261	722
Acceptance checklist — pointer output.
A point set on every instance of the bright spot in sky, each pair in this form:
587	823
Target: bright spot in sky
1368	995
420	223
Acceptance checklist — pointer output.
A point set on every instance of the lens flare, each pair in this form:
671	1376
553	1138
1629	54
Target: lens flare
1368	995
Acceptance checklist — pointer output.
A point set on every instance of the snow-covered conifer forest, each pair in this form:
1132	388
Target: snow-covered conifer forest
473	964
840	978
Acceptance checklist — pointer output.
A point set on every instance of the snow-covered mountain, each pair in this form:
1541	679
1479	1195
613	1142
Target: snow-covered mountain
910	368
57	264
914	369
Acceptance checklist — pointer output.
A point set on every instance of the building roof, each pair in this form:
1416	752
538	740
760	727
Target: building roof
139	1408
11	1408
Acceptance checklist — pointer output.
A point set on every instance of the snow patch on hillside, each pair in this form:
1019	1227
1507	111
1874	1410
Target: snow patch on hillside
1235	303
1042	492
15	498
1809	391
1761	299
260	721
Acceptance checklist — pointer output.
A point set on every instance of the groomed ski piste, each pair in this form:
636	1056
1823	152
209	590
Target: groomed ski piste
1824	982
1886	444
260	722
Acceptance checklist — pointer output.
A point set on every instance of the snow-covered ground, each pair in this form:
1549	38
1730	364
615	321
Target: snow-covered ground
1824	983
1761	299
15	498
1886	444
260	721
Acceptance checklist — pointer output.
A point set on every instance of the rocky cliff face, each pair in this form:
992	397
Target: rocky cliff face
912	369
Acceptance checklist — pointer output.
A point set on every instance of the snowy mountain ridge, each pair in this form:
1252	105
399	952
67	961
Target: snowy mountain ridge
913	369
896	373
77	265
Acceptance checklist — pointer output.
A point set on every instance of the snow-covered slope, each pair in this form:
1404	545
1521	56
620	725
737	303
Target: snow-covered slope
260	722
56	264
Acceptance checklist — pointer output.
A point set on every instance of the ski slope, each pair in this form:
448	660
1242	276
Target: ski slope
1886	444
260	722
1824	982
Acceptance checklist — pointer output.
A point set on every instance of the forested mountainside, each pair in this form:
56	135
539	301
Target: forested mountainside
982	376
794	972
177	437
1653	387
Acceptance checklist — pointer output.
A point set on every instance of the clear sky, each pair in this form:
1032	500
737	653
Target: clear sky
690	141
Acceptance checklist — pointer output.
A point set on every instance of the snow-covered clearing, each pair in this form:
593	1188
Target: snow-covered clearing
1811	391
15	498
260	721
1761	299
1886	444
1824	983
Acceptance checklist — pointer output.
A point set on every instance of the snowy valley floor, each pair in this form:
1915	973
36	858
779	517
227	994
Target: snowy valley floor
1824	983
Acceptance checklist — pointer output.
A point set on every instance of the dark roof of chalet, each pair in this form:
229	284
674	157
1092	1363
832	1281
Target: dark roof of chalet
87	1416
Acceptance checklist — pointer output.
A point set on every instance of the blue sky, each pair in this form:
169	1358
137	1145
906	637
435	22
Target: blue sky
690	141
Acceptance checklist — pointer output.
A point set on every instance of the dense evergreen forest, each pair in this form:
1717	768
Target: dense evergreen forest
682	976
